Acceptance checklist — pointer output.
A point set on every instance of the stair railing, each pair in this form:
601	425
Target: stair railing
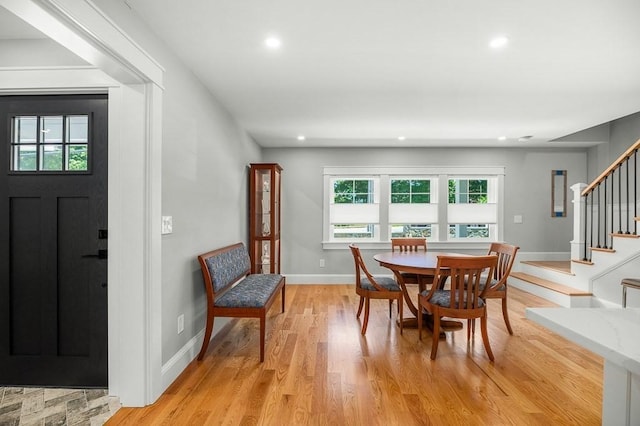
611	204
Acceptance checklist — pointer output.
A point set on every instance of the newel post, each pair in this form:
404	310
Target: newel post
577	244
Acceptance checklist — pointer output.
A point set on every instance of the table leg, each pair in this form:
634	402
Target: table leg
446	325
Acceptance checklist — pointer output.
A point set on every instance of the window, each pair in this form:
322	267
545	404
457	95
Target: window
354	211
411	212
443	204
410	191
50	143
468	191
472	211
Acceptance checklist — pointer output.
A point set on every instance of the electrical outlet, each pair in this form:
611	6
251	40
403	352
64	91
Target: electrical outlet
180	323
322	263
167	225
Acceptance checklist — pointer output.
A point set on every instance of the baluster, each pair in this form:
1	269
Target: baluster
599	215
627	188
592	213
604	224
619	201
613	178
635	191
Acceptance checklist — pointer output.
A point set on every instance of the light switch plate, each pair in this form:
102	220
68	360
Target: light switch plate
517	219
167	225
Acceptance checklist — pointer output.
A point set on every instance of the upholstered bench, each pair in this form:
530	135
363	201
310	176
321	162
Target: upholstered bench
232	291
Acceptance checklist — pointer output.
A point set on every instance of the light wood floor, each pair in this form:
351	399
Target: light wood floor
319	370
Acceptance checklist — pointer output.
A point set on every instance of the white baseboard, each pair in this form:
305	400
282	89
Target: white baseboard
320	278
176	365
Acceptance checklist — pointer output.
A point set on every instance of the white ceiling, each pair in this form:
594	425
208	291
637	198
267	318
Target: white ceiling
363	72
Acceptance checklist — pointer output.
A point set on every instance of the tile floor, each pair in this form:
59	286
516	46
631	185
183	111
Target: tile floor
44	406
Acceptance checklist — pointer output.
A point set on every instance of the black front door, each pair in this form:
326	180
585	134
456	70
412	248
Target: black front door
53	240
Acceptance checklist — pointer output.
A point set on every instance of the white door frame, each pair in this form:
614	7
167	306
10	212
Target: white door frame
133	81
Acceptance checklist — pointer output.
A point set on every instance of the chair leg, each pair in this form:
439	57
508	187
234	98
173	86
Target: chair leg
419	320
485	336
400	306
207	336
390	306
366	316
360	307
436	335
505	315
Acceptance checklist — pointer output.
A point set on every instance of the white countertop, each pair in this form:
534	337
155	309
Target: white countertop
613	333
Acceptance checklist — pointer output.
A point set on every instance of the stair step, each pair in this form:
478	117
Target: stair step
560	266
551	285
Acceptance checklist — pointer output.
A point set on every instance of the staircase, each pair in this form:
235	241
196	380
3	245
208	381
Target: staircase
594	283
605	247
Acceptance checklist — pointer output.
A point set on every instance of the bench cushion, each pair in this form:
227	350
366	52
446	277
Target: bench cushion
251	292
227	267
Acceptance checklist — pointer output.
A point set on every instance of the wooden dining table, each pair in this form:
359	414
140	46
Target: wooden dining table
415	262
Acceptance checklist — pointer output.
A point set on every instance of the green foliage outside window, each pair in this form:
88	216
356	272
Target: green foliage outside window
78	158
411	191
414	231
52	158
26	159
469	231
468	191
352	191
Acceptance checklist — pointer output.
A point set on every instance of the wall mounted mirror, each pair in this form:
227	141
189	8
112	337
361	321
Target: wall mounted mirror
558	193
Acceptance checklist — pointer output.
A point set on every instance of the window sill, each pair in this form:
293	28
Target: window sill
432	245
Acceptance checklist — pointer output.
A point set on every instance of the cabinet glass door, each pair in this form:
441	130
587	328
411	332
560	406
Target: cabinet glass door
264	214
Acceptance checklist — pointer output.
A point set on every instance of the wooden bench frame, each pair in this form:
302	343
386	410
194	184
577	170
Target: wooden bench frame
235	311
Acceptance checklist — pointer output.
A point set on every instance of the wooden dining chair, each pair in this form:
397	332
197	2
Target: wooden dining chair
460	300
409	244
412	244
369	287
497	288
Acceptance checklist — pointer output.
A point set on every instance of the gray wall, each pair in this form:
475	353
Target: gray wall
623	133
204	182
204	187
527	192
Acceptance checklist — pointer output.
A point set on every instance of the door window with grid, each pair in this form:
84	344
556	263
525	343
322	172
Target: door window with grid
56	143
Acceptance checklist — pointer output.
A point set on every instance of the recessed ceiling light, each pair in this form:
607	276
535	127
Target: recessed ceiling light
502	138
273	42
498	42
401	138
301	137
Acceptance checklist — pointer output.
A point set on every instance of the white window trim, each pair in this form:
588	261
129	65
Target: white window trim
442	172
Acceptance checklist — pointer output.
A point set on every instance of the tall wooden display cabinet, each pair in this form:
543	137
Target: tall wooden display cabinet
264	218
